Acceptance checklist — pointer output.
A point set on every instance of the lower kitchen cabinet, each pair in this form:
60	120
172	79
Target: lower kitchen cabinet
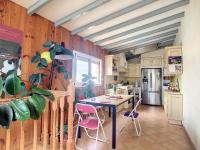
173	105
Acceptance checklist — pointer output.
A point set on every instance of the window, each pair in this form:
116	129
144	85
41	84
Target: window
86	64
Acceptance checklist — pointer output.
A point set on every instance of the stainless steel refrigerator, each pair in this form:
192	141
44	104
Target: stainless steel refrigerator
151	86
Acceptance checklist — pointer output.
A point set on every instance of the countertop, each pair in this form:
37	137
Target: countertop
172	92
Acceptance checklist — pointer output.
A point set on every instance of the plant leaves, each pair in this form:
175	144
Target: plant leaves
34	114
1	85
12	84
66	75
24	92
11	72
20	109
38	78
43	62
38	102
40	66
61	69
85	79
6	116
48	44
36	58
43	92
57	48
85	76
52	54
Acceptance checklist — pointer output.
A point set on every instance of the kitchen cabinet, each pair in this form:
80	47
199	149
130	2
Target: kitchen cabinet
111	65
173	105
173	61
151	62
134	70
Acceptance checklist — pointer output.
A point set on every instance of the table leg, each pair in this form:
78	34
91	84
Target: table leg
133	103
109	112
79	132
113	127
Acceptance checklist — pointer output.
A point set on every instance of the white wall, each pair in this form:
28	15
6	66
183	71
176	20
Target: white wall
155	53
189	36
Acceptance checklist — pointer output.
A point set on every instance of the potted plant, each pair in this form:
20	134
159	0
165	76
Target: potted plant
87	86
29	103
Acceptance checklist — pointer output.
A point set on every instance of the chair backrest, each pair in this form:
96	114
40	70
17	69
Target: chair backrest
85	108
136	106
137	92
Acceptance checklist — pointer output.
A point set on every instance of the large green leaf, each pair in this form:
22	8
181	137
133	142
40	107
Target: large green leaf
41	66
12	84
34	114
38	102
48	44
6	115
52	54
43	62
38	78
35	58
57	48
61	69
21	110
24	91
1	85
43	92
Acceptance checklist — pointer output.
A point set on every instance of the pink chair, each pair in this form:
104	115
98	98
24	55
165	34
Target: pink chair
91	122
133	116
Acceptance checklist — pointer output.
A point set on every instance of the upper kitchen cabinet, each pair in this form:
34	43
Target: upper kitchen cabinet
151	62
111	65
173	60
152	59
134	70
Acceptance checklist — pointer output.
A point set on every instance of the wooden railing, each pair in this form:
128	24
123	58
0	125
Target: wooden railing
48	132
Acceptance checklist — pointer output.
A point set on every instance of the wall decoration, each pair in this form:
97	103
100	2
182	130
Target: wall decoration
10	49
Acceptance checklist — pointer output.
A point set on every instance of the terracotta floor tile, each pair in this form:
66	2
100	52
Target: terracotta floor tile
157	134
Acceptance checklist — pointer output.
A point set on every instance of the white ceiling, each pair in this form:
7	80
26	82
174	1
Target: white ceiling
57	9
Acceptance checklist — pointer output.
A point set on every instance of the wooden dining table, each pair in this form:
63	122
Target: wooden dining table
112	102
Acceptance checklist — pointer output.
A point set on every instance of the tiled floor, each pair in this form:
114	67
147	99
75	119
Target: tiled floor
157	134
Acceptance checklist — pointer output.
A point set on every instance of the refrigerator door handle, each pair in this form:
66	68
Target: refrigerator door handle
150	80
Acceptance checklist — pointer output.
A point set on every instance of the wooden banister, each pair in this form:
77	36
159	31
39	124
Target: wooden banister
62	103
45	127
8	139
50	137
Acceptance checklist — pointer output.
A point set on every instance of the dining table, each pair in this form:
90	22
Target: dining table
112	102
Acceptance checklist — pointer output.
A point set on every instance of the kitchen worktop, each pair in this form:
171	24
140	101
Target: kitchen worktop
172	92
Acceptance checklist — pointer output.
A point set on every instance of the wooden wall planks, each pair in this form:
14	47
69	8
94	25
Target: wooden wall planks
36	30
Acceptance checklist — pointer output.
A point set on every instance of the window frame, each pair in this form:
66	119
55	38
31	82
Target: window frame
90	59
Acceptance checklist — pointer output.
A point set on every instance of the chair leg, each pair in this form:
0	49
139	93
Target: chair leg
138	121
104	117
76	136
96	138
136	127
122	129
103	133
124	126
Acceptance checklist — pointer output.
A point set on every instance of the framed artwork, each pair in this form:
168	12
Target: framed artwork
10	49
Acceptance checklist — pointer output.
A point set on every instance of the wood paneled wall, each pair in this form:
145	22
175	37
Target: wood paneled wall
36	30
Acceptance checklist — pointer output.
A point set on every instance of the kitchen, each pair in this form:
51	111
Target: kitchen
153	73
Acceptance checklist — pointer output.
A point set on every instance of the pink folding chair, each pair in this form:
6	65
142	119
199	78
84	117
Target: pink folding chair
133	116
91	122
